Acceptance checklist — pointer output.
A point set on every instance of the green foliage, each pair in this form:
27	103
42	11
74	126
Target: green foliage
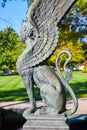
10	48
82	4
68	40
85	50
73	30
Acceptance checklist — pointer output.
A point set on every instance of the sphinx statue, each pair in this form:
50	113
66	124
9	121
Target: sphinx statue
40	34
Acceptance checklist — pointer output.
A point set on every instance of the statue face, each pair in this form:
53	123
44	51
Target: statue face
27	32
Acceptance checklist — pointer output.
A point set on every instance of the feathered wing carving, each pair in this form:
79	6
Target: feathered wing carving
45	15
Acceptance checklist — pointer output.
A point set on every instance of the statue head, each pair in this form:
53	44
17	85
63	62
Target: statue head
27	31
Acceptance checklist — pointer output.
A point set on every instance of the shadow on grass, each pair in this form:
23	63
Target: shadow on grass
17	95
79	88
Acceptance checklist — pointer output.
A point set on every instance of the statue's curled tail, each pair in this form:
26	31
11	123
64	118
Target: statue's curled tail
64	81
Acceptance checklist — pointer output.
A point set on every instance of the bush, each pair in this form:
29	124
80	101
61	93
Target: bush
10	120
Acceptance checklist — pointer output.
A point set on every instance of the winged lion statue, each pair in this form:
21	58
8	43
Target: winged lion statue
40	33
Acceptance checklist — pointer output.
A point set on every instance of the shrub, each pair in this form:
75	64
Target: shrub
10	120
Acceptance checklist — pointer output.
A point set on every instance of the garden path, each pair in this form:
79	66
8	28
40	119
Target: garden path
20	106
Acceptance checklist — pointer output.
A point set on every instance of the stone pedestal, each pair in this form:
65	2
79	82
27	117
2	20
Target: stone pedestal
46	122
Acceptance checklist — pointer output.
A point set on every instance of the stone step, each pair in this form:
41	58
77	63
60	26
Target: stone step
46	123
46	129
38	125
47	117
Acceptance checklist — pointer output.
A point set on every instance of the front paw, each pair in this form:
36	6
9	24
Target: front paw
28	111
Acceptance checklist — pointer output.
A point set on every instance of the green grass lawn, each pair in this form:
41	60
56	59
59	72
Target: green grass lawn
79	83
12	87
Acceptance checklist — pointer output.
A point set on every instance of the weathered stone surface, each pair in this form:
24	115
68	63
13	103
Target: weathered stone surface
40	33
32	64
46	15
45	122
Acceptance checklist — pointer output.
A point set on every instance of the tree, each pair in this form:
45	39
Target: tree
82	5
10	48
73	31
68	40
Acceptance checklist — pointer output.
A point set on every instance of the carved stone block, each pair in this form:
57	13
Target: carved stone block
46	122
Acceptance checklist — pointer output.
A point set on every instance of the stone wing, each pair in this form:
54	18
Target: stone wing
45	15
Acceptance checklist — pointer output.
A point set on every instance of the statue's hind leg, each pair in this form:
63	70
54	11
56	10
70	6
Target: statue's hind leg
50	89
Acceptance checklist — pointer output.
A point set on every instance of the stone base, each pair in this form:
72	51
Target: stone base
46	122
